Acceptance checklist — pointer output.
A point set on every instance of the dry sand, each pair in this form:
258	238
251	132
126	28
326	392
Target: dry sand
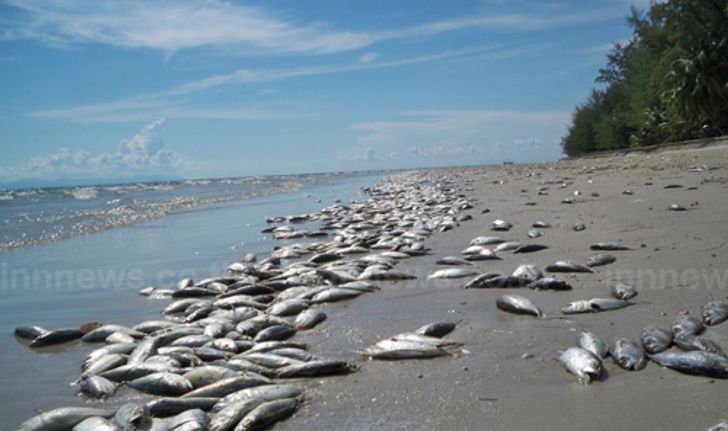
509	377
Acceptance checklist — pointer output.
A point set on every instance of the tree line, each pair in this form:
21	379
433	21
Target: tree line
668	82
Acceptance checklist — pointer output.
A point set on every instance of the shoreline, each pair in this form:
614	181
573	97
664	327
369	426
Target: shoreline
507	377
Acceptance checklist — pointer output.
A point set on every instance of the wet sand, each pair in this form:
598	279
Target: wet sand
509	378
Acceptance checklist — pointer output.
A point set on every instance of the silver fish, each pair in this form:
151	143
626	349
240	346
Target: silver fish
609	246
594	305
452	260
436	329
567	266
687	325
627	354
582	363
518	304
695	363
528	271
309	318
594	344
96	387
714	313
267	414
549	283
163	383
452	273
600	260
623	291
655	340
62	419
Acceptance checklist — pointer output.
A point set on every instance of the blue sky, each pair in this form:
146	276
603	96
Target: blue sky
208	88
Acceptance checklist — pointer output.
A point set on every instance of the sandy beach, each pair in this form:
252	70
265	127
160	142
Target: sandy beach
510	377
507	376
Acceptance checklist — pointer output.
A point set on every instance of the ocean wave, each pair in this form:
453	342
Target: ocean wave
84	193
4	198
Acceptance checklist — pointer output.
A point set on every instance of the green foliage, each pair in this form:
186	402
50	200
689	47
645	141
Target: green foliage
669	82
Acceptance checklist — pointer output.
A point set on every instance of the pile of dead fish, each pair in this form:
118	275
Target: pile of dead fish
693	353
223	353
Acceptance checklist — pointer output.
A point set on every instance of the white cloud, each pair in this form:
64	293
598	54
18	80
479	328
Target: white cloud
467	136
173	25
170	26
166	104
143	153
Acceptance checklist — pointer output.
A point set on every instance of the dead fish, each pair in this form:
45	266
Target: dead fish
623	291
497	281
507	246
582	363
452	260
132	416
720	426
593	343
335	294
655	340
567	266
541	224
452	273
594	305
500	225
483	254
694	363
403	349
534	233
289	307
627	354
309	318
163	383
29	332
207	375
275	332
315	368
568	201
518	304
436	329
56	336
714	313
687	325
609	246
227	386
579	227
267	414
96	387
600	260
549	283
528	271
168	406
530	248
95	423
62	419
689	342
486	240
676	207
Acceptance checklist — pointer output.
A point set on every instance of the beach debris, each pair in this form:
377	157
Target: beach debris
593	343
600	260
623	291
655	340
567	266
627	354
518	304
582	363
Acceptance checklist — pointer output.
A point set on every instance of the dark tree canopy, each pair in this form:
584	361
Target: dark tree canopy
669	82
